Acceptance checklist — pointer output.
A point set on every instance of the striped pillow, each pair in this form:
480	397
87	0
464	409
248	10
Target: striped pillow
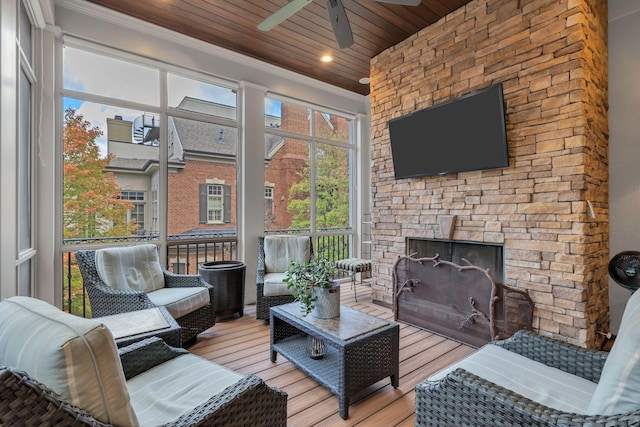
75	357
131	268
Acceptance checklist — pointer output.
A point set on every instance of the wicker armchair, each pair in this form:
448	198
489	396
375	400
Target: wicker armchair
106	300
250	402
79	378
265	299
465	399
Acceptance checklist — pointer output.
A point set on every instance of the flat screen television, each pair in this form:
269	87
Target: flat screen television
464	134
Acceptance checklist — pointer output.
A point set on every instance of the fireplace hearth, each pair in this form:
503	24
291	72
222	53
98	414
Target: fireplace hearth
458	297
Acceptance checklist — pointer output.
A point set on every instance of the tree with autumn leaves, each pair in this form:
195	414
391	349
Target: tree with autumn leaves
92	198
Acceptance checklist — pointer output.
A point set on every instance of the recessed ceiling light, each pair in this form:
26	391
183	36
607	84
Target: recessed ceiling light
365	80
326	58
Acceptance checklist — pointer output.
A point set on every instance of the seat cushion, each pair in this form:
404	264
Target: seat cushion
181	300
75	357
618	390
134	268
279	251
173	388
274	285
357	265
548	386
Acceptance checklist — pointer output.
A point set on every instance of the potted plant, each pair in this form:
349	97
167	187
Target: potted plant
312	285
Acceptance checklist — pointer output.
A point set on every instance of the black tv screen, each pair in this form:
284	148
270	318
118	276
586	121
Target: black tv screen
464	134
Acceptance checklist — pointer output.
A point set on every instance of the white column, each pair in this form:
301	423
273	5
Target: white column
251	181
47	192
8	148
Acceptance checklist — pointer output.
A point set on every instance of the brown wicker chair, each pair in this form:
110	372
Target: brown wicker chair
265	302
106	300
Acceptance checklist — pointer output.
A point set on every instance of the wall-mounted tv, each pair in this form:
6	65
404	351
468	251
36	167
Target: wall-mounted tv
464	134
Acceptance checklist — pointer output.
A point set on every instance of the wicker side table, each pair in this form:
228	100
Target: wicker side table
360	349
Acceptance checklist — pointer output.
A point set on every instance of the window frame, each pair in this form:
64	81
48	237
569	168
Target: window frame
26	255
215	198
159	207
314	140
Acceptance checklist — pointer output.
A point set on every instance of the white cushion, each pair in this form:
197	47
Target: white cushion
134	268
274	285
175	387
279	251
180	300
618	390
534	380
75	357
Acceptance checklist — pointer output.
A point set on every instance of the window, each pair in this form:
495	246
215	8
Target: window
94	73
214	203
202	174
115	126
269	213
106	148
310	156
136	214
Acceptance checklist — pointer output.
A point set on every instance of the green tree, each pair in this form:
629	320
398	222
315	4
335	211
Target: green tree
92	198
332	191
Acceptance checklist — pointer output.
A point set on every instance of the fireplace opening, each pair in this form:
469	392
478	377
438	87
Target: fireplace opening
455	289
485	255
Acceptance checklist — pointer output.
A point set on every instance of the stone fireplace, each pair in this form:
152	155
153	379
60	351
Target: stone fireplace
548	210
456	289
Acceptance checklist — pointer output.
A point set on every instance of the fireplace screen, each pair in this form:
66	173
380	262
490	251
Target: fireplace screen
462	302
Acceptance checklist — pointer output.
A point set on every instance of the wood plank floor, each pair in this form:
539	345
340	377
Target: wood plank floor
242	344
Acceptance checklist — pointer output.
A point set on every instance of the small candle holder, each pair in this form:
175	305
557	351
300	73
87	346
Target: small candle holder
316	348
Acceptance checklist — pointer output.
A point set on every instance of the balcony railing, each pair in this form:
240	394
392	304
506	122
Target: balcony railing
184	254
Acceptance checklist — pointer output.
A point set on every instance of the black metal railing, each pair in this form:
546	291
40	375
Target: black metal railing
330	243
185	252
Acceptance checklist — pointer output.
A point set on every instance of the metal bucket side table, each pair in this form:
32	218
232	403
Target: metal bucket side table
227	279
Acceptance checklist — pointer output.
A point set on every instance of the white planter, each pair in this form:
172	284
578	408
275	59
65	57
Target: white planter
327	306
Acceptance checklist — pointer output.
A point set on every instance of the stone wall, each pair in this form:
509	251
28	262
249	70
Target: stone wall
549	208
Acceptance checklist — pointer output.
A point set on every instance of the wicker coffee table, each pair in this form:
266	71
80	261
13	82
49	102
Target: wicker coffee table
360	349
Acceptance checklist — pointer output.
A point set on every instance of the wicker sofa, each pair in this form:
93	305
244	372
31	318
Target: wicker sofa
530	380
57	369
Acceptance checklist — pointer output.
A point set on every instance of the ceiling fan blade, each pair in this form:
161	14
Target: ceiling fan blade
340	23
282	14
402	2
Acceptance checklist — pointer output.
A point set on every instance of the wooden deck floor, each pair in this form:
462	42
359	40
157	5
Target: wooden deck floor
242	344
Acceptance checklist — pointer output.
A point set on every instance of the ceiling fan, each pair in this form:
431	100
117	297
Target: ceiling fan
337	16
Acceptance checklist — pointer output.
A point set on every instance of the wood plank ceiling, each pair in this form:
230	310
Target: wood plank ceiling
297	43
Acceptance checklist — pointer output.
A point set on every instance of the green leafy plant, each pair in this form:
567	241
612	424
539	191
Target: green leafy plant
301	277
